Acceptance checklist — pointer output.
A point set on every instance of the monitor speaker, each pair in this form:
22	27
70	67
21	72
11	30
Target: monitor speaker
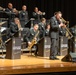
71	57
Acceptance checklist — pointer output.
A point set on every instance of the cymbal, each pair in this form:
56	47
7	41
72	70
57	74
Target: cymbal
1	23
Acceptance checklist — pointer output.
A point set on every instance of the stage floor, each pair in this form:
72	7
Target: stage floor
31	64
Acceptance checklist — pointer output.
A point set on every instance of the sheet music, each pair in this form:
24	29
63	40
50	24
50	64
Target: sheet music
3	28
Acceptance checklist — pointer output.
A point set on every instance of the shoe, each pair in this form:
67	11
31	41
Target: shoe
56	58
52	58
35	54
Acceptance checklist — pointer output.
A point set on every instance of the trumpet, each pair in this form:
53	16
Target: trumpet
68	33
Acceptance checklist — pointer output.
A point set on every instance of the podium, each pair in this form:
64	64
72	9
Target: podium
13	48
44	47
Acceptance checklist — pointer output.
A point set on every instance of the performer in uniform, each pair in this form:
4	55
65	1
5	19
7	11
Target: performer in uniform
23	16
11	12
31	35
37	14
54	34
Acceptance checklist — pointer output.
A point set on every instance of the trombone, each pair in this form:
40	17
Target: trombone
68	33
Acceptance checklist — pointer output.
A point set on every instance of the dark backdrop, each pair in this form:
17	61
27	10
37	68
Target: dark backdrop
67	7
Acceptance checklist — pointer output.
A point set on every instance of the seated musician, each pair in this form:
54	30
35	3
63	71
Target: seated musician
15	27
31	35
42	25
47	29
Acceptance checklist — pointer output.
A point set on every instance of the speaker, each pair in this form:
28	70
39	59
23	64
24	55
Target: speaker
71	57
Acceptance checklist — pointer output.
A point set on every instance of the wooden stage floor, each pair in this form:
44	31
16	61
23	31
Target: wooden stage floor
31	64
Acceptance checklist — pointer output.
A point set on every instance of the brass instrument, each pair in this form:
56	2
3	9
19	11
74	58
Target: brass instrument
34	41
1	8
68	33
15	11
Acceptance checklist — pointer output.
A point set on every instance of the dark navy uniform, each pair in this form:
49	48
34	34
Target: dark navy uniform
23	16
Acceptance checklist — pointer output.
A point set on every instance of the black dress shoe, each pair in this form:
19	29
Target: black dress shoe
35	54
56	58
52	58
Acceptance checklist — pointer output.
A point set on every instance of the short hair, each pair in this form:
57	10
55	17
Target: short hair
35	24
58	12
16	18
43	19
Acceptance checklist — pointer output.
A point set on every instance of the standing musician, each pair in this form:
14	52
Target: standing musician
11	12
54	34
37	15
30	36
23	16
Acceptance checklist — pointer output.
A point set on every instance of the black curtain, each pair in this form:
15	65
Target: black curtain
67	7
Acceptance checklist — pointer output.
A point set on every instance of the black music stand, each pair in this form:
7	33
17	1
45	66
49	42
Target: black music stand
30	23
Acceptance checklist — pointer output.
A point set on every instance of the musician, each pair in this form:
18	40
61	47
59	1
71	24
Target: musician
42	25
33	31
23	16
11	12
37	14
47	29
54	34
15	27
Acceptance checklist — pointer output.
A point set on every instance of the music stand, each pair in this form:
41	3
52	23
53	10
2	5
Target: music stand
1	41
32	21
29	24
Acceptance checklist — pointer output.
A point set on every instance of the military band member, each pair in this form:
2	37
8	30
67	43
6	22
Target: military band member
42	26
23	16
47	29
30	36
11	12
15	27
37	14
54	34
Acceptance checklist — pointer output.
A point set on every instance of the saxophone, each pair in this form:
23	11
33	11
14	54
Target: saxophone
68	33
34	41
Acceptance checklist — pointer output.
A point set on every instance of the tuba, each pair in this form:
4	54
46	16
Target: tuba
68	33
